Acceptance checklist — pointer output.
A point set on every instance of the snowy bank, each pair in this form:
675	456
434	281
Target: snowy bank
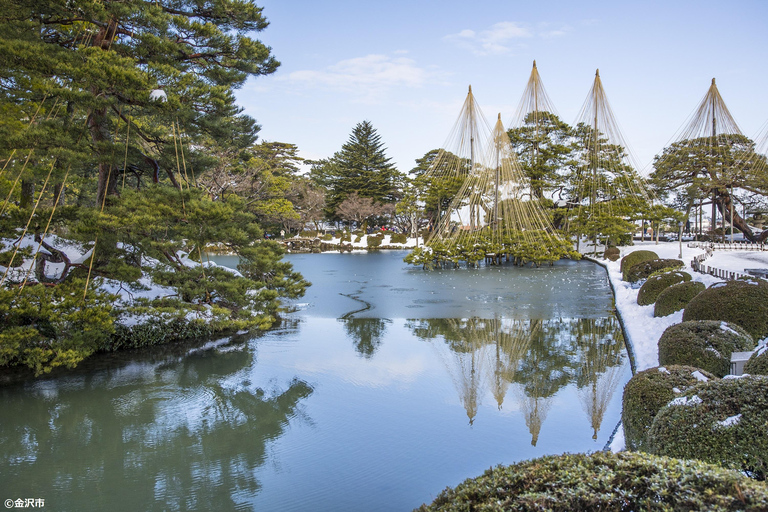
642	328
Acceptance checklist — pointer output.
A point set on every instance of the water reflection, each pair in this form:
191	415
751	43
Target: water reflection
366	333
175	435
540	357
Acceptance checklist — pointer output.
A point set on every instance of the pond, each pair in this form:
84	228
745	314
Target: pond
384	385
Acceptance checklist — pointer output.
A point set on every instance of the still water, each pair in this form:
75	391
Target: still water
385	385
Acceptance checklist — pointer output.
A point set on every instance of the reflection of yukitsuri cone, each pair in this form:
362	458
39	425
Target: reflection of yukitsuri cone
601	345
535	411
511	339
596	396
466	367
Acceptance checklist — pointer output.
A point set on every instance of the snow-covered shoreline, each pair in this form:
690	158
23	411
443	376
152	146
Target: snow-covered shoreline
641	327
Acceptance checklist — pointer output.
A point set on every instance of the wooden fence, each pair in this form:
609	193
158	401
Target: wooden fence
697	263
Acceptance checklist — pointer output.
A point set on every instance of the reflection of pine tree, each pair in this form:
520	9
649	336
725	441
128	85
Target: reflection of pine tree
366	334
601	356
544	369
547	365
173	430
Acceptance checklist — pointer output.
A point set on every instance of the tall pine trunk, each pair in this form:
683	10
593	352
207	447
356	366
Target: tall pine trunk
107	182
27	194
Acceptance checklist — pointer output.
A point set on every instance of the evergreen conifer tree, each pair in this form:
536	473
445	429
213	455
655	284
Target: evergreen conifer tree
85	70
361	166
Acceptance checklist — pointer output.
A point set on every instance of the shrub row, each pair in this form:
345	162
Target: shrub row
646	269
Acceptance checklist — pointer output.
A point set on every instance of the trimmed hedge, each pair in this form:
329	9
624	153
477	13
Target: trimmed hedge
650	390
398	238
722	422
651	289
374	241
705	344
644	269
634	258
758	362
612	253
676	297
604	481
743	302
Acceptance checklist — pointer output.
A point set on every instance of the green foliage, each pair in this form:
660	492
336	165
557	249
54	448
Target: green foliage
722	422
604	481
90	67
650	390
676	297
544	148
740	302
156	332
645	269
758	362
651	289
523	248
636	257
704	344
398	238
374	241
8	259
44	327
361	166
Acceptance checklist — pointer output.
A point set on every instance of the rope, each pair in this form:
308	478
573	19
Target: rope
13	187
29	221
183	160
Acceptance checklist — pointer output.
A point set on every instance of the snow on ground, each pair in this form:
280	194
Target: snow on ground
363	243
642	328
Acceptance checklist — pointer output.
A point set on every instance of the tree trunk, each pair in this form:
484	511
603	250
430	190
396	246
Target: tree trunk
724	201
107	182
27	194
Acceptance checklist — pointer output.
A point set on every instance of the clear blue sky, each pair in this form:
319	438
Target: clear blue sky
405	66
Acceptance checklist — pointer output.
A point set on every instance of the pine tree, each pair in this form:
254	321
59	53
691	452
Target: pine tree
86	70
361	167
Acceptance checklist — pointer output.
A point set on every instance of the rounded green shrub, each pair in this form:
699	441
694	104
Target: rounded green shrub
374	241
650	390
676	297
644	269
704	344
651	289
612	253
722	422
636	257
604	481
398	238
741	302
758	362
